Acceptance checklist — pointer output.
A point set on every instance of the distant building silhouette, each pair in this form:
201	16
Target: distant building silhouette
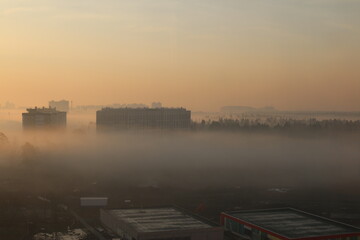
8	105
143	118
156	105
43	118
62	105
244	109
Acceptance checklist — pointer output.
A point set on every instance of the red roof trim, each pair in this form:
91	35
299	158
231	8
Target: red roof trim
224	215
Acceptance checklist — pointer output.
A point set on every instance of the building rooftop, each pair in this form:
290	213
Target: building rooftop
142	109
158	219
292	223
42	110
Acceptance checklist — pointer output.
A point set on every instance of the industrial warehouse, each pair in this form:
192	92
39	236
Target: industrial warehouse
143	118
167	223
285	223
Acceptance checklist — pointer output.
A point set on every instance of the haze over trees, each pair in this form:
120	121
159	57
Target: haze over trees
279	124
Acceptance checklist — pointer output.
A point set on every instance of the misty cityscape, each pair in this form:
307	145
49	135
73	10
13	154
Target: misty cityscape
179	120
150	157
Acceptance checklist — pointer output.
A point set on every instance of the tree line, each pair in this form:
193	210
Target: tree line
248	124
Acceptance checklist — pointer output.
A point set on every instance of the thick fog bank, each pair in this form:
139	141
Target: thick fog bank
187	160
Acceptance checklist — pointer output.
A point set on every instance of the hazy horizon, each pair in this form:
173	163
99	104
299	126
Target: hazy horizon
300	57
294	55
148	105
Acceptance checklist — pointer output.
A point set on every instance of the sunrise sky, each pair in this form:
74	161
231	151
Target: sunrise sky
200	54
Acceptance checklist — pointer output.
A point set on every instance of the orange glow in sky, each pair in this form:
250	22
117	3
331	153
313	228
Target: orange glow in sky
296	55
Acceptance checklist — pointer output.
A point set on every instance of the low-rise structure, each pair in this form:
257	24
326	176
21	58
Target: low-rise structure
285	224
93	201
159	223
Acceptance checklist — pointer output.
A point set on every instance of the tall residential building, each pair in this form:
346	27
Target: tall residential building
62	105
143	118
43	118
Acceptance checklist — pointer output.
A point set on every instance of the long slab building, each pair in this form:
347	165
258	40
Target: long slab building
43	118
285	224
167	223
143	118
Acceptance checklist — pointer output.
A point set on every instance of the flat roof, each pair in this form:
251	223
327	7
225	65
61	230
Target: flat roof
293	223
42	110
142	109
158	219
94	198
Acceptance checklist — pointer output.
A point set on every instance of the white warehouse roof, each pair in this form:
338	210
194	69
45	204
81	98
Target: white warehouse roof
158	219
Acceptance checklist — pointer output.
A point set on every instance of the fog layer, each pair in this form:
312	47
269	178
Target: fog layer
186	160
